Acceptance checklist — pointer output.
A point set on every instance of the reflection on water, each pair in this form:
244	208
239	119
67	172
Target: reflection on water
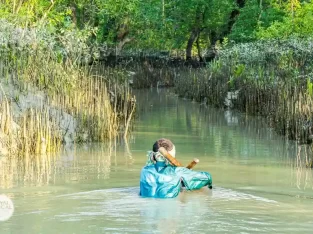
16	171
225	134
222	135
70	164
261	183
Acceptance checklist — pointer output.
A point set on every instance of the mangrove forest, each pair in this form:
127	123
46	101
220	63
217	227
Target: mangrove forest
94	94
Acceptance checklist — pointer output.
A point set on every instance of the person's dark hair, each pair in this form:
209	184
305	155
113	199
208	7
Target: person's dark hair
163	142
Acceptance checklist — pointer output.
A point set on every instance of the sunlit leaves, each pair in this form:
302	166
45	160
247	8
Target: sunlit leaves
297	22
166	24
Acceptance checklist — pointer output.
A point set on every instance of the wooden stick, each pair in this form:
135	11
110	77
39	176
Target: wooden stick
193	163
169	157
174	161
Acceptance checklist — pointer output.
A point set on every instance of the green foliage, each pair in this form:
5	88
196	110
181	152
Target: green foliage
297	22
246	24
165	24
238	71
256	14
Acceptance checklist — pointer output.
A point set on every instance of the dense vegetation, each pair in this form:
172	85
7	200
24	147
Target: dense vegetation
271	78
196	26
166	25
48	95
260	47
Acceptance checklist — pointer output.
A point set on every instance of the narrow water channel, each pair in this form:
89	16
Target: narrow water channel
259	183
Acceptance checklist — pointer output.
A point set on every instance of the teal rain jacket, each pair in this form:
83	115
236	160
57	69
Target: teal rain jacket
162	180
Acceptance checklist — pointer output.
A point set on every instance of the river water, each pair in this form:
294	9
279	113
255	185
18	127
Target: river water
259	183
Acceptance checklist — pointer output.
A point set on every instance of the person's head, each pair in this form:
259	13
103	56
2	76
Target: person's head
166	144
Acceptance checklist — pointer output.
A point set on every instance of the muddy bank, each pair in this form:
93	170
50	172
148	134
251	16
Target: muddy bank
17	104
52	98
34	121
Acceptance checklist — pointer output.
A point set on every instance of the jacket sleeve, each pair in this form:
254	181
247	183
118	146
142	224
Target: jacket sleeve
194	180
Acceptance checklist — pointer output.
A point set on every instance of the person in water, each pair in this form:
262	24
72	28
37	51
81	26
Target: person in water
160	179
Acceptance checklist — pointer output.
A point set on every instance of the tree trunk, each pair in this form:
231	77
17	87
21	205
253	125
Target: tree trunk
193	35
261	10
199	49
74	13
121	44
215	38
121	37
